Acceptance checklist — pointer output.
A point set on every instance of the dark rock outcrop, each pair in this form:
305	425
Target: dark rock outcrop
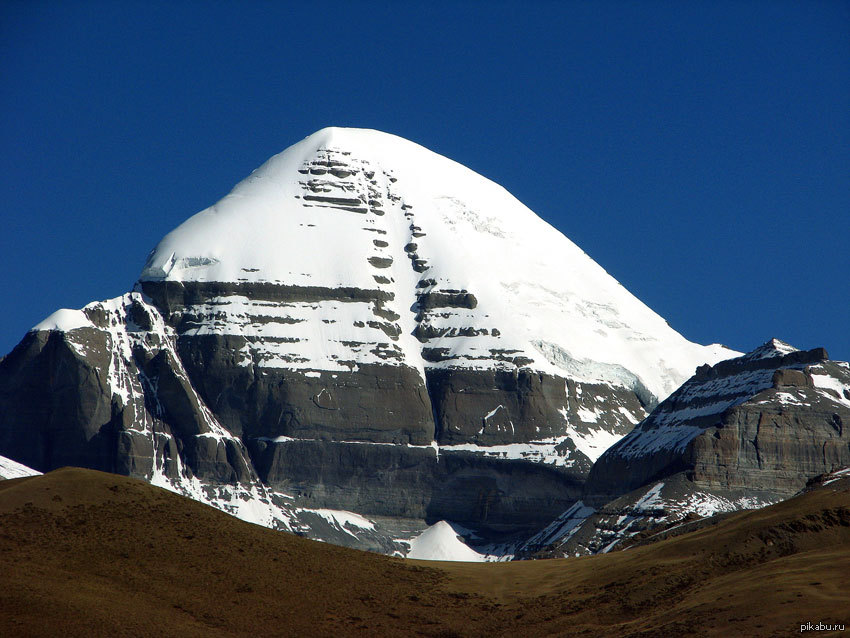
487	494
111	396
766	421
742	434
56	408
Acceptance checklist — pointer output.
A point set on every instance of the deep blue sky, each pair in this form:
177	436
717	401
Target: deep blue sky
699	151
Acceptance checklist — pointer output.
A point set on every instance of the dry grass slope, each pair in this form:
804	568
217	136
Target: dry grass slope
89	554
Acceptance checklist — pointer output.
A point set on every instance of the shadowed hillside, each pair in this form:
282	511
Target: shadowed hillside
86	553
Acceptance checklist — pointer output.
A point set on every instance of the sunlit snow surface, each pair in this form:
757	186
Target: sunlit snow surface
64	319
10	469
441	542
830	387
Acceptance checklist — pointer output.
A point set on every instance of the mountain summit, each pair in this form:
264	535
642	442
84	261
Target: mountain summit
360	325
353	209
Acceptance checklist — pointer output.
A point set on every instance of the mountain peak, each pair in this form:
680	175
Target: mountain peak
355	138
361	210
769	349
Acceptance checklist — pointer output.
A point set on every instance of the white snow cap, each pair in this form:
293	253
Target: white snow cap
309	217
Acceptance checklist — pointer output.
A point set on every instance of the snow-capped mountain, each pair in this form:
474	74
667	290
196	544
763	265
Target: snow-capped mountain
356	219
363	326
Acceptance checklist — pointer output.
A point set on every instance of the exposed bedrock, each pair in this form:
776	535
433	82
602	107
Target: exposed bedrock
765	422
175	299
766	447
385	404
58	409
55	408
498	495
172	296
494	407
59	406
372	402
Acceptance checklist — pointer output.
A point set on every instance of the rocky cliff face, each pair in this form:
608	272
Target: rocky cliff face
741	434
360	325
108	391
769	420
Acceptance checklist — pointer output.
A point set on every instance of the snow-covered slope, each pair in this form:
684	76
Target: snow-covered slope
10	469
441	542
360	209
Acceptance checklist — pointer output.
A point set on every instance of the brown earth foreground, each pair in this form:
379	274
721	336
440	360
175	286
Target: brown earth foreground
84	553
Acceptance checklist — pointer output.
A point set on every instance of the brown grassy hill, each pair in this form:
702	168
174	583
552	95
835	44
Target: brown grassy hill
89	554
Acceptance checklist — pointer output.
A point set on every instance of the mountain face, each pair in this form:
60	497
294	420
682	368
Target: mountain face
741	434
360	325
767	422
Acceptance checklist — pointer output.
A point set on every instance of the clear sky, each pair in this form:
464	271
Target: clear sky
698	151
